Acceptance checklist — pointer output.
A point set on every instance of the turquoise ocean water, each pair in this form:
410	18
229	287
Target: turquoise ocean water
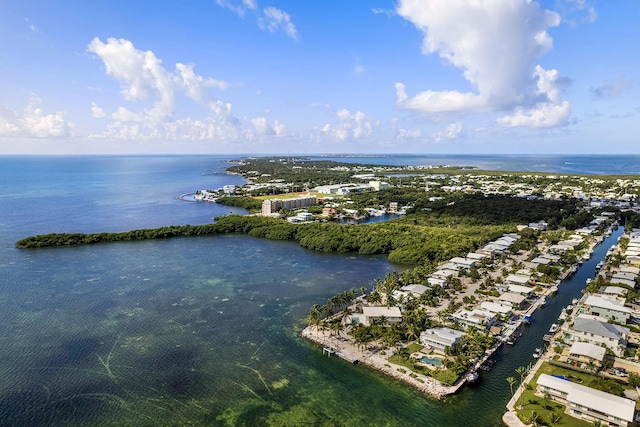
191	331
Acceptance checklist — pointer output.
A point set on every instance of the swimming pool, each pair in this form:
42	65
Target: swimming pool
431	361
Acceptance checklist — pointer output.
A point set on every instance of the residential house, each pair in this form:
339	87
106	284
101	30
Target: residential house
441	339
585	329
481	319
371	314
497	308
608	308
527	291
583	354
587	403
515	300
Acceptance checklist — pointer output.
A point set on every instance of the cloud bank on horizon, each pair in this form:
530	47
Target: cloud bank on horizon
257	78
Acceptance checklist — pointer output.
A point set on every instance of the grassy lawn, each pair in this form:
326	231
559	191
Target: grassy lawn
442	375
544	408
532	404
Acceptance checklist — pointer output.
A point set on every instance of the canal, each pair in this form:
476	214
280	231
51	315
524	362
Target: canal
491	392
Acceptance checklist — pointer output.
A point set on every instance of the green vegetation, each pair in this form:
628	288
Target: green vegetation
547	410
436	235
248	203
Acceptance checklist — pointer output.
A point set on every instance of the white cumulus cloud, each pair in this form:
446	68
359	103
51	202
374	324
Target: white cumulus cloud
143	77
495	44
33	122
349	126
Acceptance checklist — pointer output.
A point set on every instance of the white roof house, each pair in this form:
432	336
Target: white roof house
495	307
598	332
444	273
435	281
415	289
627	282
463	262
481	319
517	280
441	338
541	260
615	291
513	299
608	308
519	289
369	314
588	403
588	350
623	275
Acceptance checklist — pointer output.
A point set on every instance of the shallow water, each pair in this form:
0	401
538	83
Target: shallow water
200	330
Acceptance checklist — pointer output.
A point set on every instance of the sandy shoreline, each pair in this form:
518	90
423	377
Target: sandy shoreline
372	359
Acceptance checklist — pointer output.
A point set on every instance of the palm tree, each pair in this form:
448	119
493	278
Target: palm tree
535	418
511	382
555	418
522	371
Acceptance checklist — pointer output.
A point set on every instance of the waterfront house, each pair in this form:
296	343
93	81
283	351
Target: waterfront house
587	403
439	339
527	291
586	329
496	308
607	308
370	314
481	319
515	300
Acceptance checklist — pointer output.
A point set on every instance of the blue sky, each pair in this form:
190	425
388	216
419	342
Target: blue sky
357	76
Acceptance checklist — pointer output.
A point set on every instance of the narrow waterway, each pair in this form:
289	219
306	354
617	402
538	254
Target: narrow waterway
492	386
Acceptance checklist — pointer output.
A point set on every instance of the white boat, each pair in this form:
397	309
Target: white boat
554	328
471	376
553	289
538	353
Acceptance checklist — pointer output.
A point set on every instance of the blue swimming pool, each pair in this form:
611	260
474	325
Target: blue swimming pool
431	361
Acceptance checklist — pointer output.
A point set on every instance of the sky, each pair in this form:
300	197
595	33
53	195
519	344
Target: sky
331	76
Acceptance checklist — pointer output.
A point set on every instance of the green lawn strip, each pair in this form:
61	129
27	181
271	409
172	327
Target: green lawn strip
532	404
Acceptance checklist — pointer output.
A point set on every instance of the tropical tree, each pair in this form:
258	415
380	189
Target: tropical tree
511	381
522	371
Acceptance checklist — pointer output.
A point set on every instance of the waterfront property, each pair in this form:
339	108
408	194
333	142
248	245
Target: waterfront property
586	329
608	308
441	339
587	403
478	318
371	314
